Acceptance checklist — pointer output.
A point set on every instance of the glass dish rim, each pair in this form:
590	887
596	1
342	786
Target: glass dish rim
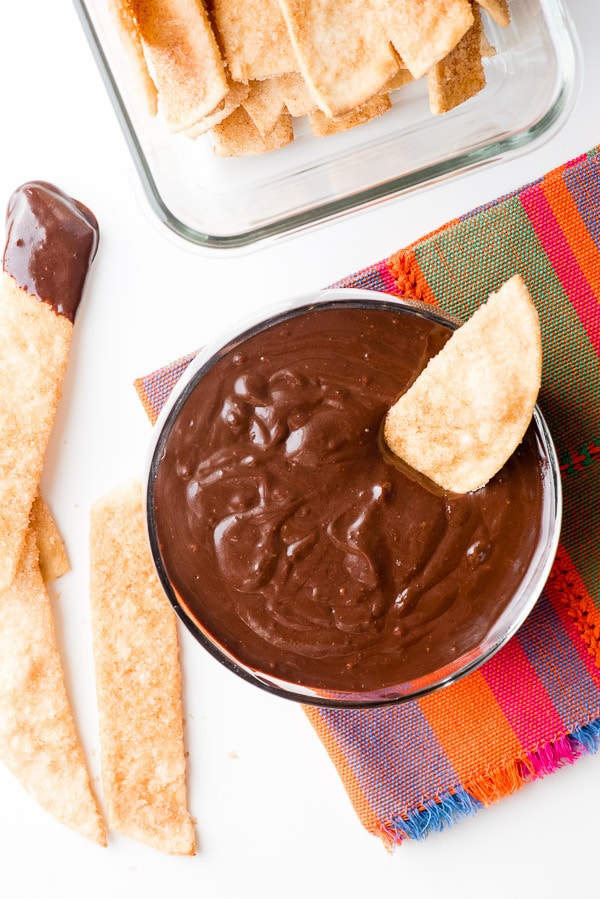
532	586
458	164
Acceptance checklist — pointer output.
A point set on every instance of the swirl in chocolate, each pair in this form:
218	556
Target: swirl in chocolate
51	240
299	543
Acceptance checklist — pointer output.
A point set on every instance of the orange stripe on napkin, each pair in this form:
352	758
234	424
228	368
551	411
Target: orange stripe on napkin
475	734
406	271
566	587
578	237
339	758
409	279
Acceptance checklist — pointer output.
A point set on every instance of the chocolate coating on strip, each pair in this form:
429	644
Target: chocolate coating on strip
51	240
292	537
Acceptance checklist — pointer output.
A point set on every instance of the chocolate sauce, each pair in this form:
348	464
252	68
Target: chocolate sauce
298	542
51	240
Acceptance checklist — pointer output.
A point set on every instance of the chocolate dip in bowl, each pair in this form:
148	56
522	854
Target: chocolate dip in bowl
298	550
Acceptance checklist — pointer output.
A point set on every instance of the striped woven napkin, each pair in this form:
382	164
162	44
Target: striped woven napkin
419	767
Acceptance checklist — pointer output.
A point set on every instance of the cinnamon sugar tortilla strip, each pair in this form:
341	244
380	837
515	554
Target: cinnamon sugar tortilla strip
498	10
467	412
423	31
50	242
38	739
53	559
138	680
183	56
460	75
132	45
322	126
295	94
265	106
342	52
34	348
487	49
401	78
238	135
253	38
237	93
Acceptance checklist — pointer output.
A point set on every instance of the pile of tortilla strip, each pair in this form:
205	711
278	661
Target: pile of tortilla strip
51	241
242	70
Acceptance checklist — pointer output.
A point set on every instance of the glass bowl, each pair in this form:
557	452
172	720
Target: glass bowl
233	203
479	645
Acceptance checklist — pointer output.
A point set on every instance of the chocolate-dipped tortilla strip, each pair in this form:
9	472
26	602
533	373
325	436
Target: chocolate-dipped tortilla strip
51	240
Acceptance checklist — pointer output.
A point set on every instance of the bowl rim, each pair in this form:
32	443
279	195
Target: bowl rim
552	508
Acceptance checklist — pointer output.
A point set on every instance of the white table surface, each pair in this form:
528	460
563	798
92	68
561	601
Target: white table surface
273	818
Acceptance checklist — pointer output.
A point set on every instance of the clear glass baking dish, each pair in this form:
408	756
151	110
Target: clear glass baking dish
231	203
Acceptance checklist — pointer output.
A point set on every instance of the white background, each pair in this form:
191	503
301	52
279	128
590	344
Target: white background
273	818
